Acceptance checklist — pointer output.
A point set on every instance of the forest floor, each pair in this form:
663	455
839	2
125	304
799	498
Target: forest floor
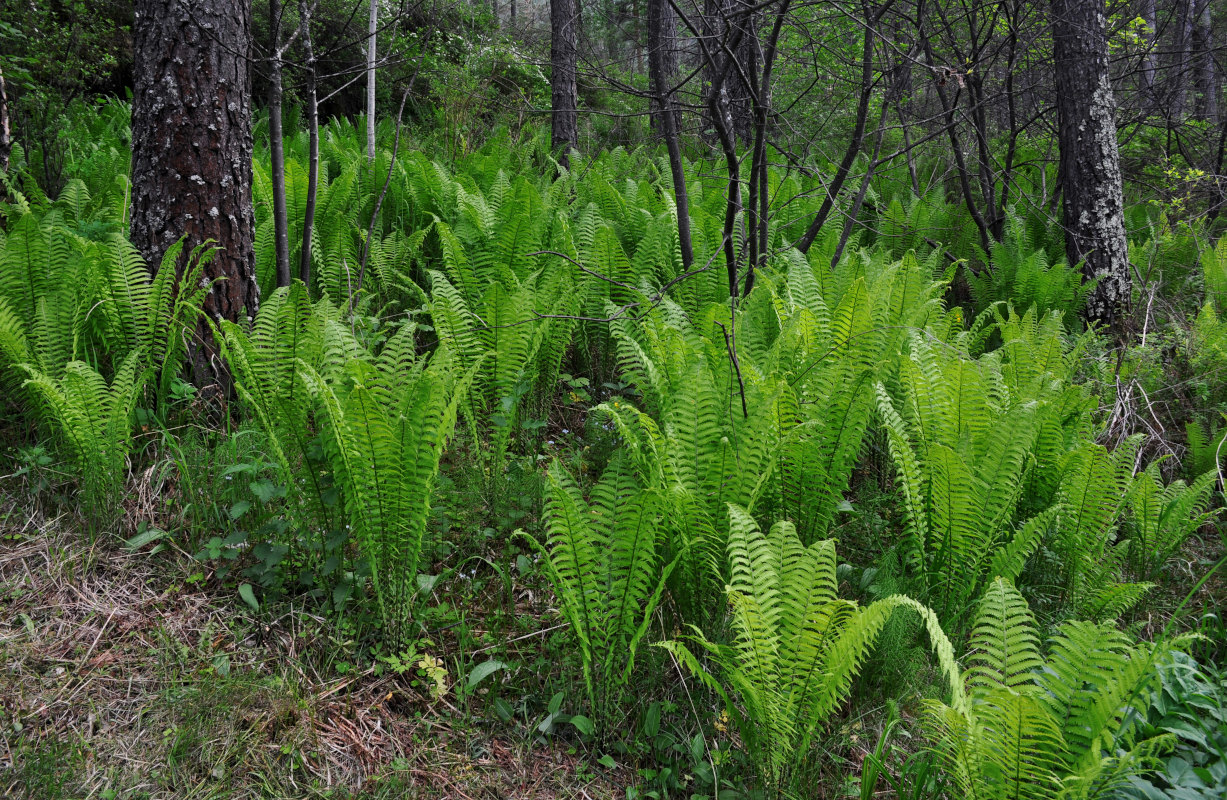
122	679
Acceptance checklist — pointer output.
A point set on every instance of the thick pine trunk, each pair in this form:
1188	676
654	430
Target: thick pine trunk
1090	163
192	150
564	64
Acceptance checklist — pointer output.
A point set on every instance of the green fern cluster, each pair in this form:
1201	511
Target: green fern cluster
1036	727
604	560
1019	272
1214	273
92	423
1090	558
832	334
383	421
963	434
1163	517
78	313
796	645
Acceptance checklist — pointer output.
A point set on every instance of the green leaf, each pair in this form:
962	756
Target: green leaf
583	724
485	670
239	509
249	596
141	539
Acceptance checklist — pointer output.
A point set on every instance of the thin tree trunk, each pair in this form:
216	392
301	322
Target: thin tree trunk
662	71
747	58
1090	163
854	144
371	28
6	132
191	154
1149	65
1203	54
1184	47
276	148
850	222
759	200
313	133
564	62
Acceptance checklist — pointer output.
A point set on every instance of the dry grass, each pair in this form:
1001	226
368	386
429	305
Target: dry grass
119	676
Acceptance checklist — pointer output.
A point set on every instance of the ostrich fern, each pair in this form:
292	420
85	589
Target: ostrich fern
384	430
962	450
92	422
796	646
604	560
1044	728
1094	493
1163	517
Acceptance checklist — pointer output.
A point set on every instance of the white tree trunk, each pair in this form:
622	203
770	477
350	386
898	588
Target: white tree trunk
371	27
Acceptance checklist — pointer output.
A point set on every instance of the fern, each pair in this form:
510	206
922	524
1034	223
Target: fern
1094	492
1164	516
1044	728
92	422
383	438
604	561
796	645
962	450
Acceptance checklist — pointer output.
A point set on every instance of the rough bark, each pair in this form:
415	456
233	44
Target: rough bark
276	149
564	63
662	71
1090	163
192	150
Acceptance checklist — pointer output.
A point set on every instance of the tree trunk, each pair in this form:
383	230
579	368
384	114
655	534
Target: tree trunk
1203	54
6	132
313	138
662	71
731	31
854	143
662	61
276	149
748	62
1090	164
192	150
1184	46
564	63
1149	64
371	27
